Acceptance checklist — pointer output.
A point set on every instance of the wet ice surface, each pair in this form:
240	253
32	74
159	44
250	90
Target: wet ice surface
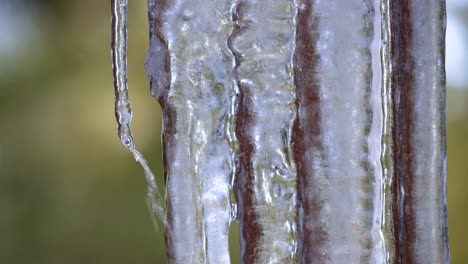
199	140
388	168
425	195
325	118
341	200
123	111
263	43
352	123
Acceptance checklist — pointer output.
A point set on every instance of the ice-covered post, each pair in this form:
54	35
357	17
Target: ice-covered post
318	125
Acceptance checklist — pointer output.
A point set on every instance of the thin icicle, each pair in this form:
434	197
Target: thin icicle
123	111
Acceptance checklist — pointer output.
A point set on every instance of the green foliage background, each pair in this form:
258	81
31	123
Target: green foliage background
69	192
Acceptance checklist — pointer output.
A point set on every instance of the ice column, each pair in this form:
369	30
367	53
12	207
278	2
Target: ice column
415	101
337	135
263	42
326	119
190	66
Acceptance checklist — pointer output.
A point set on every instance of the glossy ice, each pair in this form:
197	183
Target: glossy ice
326	119
263	43
417	95
337	137
123	111
190	66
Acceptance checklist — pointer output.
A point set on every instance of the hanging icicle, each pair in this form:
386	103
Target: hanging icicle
123	111
325	119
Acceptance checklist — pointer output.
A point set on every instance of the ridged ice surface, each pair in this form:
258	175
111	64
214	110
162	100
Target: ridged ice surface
338	134
190	66
417	88
428	136
324	119
263	43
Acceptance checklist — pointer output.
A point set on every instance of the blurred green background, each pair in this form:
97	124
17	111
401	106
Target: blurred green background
69	191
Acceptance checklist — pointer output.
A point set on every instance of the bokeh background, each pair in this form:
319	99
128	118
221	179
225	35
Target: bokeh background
69	191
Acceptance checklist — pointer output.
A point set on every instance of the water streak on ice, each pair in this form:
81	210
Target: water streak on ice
123	110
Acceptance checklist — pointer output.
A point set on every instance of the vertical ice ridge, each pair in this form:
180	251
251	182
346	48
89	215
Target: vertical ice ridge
402	123
263	43
388	169
309	154
428	49
233	113
249	230
123	111
418	94
376	134
339	130
197	100
351	98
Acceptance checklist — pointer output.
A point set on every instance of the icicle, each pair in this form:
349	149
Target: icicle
330	114
416	88
370	135
189	66
263	42
123	111
337	137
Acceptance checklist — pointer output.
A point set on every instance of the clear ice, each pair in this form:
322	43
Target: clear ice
318	125
190	66
123	111
263	43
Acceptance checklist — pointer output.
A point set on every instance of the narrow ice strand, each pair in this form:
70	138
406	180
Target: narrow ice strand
388	166
154	199
123	111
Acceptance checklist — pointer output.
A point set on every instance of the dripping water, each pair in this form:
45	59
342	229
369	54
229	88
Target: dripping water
123	111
